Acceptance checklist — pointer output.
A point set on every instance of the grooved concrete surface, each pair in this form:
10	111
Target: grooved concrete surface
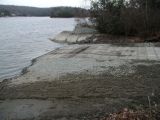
143	51
94	58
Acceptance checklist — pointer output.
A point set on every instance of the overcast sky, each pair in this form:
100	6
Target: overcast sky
46	3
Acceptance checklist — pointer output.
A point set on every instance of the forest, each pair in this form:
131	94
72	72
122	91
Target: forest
127	17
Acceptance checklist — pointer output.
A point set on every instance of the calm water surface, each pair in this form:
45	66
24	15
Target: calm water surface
25	38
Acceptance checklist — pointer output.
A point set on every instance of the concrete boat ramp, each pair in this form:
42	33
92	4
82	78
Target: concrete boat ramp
83	82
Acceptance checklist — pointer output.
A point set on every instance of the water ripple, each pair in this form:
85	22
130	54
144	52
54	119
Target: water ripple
25	38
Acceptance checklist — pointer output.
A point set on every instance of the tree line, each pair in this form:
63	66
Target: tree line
4	13
11	10
126	17
68	12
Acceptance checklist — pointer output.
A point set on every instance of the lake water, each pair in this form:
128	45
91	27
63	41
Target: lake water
25	38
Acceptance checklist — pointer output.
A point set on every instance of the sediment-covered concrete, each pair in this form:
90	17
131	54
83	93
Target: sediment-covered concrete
84	82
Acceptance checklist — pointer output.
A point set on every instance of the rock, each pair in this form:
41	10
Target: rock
70	37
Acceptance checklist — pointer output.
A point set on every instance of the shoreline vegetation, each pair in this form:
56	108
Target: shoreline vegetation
139	18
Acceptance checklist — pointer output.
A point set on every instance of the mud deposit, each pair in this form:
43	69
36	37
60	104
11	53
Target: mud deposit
83	96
